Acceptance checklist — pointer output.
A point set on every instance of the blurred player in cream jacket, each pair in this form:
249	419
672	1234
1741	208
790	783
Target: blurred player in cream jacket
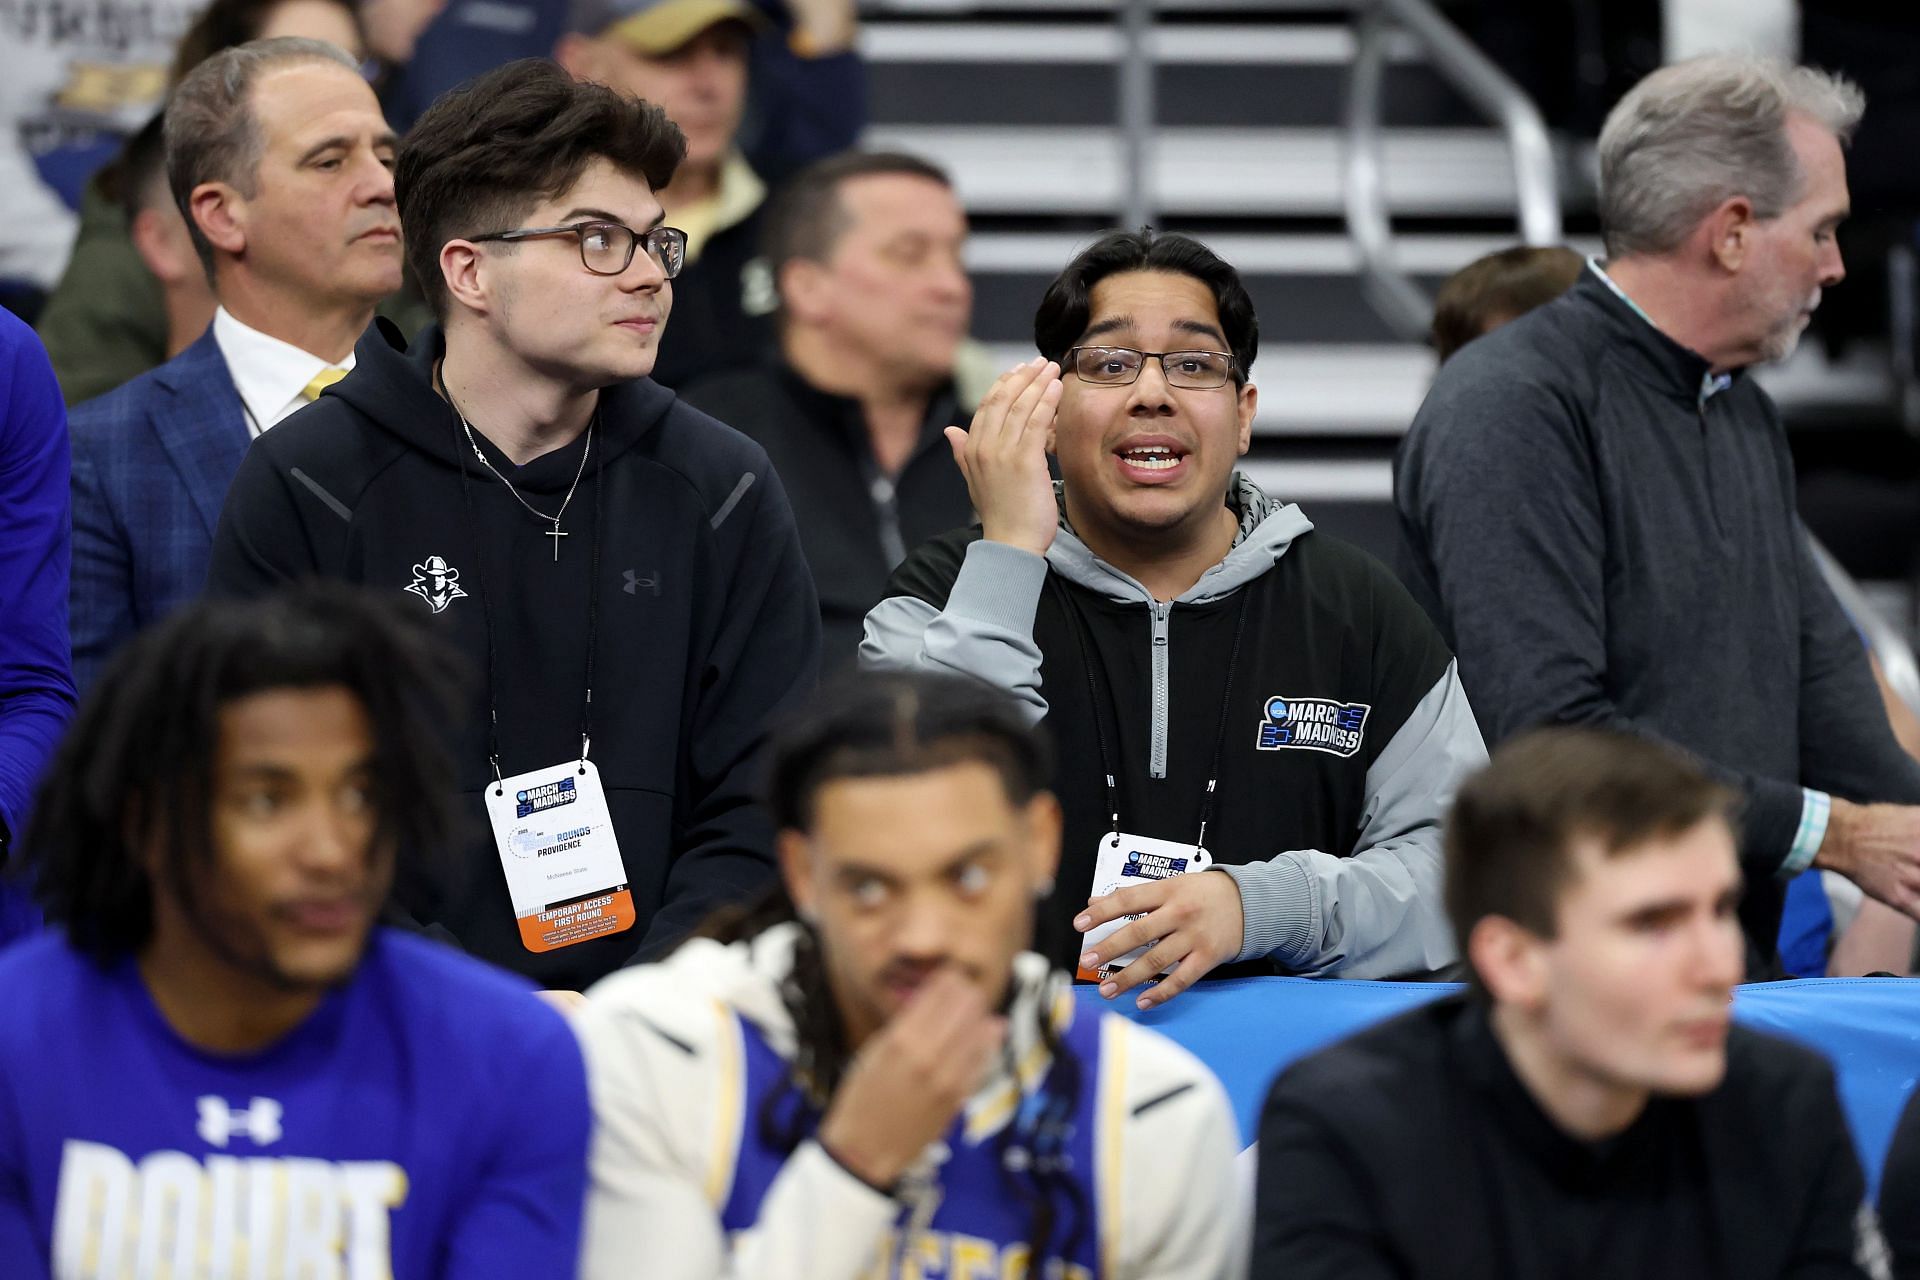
872	1075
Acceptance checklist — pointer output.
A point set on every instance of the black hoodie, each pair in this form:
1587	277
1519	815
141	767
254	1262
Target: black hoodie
707	623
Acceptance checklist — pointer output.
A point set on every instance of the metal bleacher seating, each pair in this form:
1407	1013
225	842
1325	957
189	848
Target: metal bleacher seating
1026	102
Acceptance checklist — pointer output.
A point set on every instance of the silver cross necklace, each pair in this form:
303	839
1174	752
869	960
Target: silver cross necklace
556	533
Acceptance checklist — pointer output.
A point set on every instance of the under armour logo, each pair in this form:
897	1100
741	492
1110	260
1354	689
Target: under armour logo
635	582
260	1122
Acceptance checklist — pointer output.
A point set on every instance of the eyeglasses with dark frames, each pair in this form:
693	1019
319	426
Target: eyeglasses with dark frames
607	248
1121	366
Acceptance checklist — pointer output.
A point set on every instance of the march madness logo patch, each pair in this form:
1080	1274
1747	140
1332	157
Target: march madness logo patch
1313	724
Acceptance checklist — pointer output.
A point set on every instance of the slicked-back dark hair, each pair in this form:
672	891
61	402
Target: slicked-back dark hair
133	778
137	176
1510	836
484	154
889	725
1066	309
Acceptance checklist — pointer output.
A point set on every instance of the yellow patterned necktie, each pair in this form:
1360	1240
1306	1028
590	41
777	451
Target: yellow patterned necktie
321	381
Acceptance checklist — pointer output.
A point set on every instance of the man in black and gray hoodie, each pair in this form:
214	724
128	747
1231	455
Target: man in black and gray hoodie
1228	688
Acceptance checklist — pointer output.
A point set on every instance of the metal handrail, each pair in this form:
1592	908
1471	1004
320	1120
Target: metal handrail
1884	641
1392	291
1137	111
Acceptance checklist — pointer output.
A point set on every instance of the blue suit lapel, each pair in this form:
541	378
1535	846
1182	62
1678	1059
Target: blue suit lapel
201	424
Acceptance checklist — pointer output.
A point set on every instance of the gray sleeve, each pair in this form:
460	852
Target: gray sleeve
986	630
1377	913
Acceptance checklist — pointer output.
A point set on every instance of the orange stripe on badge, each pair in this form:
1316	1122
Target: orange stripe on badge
578	922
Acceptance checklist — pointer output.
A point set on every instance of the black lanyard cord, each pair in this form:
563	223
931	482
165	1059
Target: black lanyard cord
1107	762
486	598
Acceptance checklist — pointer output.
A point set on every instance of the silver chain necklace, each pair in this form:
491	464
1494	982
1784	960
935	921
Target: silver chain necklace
556	533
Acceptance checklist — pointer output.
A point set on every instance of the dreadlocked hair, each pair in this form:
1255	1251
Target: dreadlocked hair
131	784
876	725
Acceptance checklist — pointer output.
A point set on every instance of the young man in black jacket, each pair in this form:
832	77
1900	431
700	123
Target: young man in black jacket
1230	689
1588	1109
622	571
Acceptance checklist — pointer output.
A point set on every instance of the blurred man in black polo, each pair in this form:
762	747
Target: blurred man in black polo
874	303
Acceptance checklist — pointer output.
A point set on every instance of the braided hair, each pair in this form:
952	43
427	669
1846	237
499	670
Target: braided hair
891	725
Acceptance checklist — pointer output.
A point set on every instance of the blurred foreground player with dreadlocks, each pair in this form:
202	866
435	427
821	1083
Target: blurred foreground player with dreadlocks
873	1075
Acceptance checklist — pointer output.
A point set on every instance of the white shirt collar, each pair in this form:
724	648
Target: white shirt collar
269	374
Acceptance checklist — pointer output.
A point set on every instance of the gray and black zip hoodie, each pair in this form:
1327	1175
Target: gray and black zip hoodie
1337	719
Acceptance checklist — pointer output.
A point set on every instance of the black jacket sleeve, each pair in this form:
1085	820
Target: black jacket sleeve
1314	1216
262	541
763	660
1837	1239
1900	1194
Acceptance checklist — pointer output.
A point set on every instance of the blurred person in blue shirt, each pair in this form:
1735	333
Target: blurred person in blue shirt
36	679
219	1058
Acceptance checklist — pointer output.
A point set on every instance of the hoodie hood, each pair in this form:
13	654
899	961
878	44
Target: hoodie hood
392	386
1267	528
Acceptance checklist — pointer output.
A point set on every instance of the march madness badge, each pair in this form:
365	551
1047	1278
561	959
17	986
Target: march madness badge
1313	724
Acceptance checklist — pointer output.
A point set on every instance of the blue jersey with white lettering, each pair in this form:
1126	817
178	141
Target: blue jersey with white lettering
429	1119
982	1214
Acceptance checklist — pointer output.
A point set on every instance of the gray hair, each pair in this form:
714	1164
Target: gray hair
1698	133
211	132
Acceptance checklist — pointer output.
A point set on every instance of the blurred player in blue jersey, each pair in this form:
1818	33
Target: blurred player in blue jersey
219	1066
873	1075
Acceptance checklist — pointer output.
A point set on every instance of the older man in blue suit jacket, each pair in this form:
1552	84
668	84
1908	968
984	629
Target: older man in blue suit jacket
299	250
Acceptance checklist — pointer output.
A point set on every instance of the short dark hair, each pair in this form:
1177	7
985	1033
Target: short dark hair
138	173
133	777
1509	838
1066	309
226	23
486	153
1498	287
211	130
806	217
893	724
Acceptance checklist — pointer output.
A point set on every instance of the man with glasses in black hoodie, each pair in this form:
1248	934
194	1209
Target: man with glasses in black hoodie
622	570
